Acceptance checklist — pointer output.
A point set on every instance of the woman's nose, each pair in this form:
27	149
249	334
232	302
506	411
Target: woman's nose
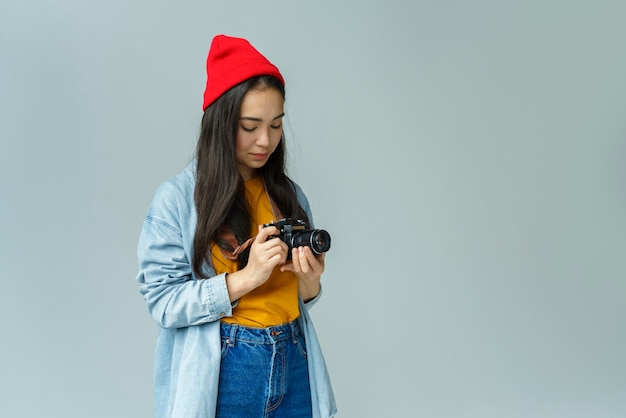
264	137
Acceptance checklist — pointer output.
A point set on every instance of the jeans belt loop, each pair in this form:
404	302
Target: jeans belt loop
233	334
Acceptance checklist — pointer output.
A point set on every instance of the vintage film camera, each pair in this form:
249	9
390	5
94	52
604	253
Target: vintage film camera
295	234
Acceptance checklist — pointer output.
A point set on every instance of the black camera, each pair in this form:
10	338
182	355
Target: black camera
295	234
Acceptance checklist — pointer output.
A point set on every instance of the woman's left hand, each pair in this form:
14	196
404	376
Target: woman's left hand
308	268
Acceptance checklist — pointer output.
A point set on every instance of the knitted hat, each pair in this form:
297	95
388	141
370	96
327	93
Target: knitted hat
230	62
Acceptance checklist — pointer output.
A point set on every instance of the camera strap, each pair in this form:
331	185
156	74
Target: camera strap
226	235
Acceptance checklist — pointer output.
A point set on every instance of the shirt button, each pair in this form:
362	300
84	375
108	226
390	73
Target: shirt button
222	314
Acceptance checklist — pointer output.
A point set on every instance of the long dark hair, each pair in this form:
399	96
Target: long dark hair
219	193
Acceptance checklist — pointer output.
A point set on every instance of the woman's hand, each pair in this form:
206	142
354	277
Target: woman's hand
265	254
308	268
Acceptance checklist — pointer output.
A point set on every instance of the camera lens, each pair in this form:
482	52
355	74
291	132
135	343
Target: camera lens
317	240
320	241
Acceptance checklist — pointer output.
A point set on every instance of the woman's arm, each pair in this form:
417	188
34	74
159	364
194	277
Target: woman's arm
174	296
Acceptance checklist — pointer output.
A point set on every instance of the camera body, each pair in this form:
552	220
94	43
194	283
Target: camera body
294	233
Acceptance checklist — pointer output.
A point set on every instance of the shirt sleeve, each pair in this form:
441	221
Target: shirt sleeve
174	295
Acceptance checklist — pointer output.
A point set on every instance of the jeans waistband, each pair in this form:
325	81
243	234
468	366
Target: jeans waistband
269	335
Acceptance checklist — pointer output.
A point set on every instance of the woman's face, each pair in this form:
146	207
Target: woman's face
260	129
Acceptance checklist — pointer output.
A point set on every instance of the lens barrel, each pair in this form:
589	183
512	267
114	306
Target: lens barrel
318	240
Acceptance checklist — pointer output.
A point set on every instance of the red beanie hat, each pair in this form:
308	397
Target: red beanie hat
230	62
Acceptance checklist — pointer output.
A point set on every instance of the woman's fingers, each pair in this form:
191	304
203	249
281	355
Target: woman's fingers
265	233
304	262
266	249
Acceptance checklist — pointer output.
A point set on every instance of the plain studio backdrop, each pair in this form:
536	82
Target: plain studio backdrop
467	158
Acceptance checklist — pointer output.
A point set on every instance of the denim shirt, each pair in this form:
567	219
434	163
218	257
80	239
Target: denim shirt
188	310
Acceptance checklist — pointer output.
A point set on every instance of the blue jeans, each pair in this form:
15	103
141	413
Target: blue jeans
264	373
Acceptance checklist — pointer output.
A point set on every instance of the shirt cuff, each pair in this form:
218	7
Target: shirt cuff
217	298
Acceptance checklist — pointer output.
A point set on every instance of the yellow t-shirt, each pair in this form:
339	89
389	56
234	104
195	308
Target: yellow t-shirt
276	301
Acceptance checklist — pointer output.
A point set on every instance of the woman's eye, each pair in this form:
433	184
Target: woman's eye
276	126
248	129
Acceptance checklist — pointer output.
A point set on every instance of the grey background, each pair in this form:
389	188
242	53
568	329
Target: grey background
467	158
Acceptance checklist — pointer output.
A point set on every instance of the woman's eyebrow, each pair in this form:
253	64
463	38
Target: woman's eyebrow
259	119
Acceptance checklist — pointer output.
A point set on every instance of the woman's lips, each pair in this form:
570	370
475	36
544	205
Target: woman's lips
259	156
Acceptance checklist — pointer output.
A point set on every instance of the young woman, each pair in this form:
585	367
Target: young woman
235	337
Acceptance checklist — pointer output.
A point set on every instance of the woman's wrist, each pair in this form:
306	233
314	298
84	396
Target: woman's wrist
308	289
238	284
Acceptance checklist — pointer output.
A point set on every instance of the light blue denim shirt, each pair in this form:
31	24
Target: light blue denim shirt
188	310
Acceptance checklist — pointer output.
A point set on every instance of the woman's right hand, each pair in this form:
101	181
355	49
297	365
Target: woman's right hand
265	254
